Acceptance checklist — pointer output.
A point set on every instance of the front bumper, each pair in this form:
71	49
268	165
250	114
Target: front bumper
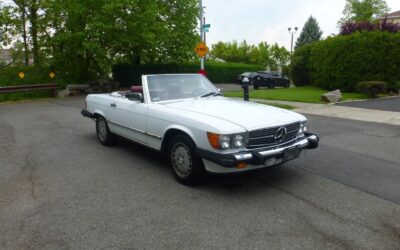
260	157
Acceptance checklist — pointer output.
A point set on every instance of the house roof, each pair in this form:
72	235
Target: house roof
392	15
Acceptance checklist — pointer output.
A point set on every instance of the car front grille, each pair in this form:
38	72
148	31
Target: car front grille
266	137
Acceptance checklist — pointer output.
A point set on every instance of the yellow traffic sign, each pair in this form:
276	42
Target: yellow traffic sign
201	49
52	75
21	75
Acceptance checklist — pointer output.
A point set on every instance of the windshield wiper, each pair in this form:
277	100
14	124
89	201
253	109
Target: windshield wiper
211	94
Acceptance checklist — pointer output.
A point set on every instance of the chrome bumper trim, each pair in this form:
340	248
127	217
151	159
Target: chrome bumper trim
302	144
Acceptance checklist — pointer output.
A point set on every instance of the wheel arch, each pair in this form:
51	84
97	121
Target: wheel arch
97	113
171	132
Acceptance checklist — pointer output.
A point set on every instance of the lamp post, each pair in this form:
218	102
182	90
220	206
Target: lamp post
292	33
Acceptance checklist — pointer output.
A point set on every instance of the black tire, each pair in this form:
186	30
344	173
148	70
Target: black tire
187	167
271	85
104	134
255	86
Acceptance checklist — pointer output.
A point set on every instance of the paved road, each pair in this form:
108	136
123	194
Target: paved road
387	104
230	86
60	189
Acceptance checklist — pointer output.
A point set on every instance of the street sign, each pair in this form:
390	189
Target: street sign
206	30
206	26
201	49
21	75
52	75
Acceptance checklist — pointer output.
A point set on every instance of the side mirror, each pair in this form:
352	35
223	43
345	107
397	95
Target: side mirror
221	90
134	96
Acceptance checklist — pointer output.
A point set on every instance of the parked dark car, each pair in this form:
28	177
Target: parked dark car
255	78
270	79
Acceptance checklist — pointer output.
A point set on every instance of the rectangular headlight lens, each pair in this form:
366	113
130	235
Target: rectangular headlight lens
218	141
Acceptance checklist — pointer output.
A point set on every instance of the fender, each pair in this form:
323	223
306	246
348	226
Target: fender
179	127
99	112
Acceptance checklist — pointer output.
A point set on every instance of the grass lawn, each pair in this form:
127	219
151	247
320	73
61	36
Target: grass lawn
308	94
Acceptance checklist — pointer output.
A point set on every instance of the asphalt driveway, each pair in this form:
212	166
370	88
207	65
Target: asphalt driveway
60	189
386	104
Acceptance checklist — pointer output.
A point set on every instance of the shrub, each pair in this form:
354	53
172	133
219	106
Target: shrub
385	25
129	74
341	62
372	88
394	87
298	68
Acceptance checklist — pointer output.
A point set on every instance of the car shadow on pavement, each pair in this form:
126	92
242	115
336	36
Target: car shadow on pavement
256	179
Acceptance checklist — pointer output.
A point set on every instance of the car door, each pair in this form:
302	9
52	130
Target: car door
129	119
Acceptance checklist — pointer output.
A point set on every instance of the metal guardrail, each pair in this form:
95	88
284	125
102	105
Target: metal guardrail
28	88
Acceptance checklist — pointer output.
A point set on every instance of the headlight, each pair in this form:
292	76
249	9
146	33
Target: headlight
303	127
225	141
238	140
218	141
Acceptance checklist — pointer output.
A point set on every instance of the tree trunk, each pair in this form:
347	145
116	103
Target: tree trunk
26	55
33	9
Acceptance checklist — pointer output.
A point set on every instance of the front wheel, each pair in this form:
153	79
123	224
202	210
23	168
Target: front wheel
104	134
186	165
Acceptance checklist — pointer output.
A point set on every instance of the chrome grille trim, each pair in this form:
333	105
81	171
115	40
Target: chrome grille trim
266	137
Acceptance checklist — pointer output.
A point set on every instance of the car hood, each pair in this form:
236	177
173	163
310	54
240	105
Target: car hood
248	115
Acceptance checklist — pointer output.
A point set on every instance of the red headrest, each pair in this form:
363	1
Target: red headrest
137	89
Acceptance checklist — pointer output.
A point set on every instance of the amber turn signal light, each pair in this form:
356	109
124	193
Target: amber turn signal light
213	138
241	165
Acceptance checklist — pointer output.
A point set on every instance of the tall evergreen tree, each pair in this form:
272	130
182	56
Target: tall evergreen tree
310	33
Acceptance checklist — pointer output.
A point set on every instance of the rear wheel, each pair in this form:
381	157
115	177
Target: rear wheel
104	134
271	85
186	165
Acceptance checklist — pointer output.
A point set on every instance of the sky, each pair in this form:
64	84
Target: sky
268	20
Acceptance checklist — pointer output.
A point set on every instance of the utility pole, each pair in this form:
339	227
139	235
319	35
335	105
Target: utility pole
205	42
201	31
292	33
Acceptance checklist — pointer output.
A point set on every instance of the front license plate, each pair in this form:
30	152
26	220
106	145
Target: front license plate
291	154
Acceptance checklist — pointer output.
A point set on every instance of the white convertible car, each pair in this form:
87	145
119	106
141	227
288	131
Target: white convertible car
185	117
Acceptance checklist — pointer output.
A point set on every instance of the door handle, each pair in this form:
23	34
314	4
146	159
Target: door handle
113	105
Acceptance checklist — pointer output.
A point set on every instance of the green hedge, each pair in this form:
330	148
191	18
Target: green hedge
128	74
341	62
33	75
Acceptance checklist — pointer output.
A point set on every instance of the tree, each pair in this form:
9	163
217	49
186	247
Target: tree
310	33
363	10
279	57
272	56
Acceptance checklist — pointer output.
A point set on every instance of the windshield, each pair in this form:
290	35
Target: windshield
173	87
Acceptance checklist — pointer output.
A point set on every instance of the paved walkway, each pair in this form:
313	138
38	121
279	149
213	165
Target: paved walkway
359	114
